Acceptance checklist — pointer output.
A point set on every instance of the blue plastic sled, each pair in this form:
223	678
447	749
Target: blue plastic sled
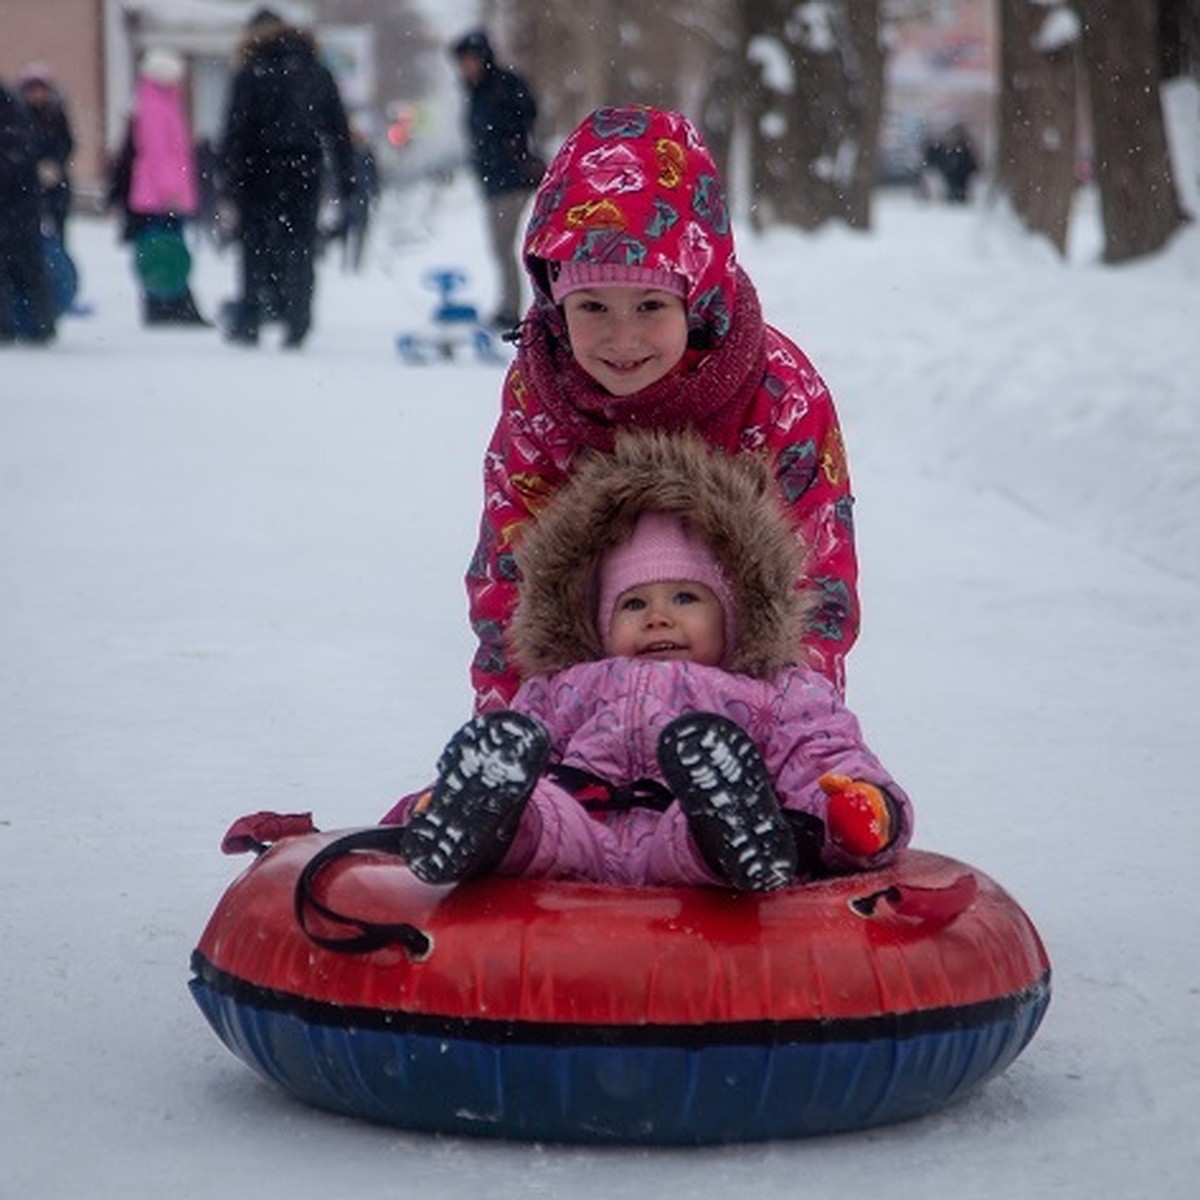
455	326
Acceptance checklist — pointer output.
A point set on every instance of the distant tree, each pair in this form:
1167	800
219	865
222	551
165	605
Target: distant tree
864	60
1037	137
1179	52
721	110
1116	54
814	105
1179	37
580	57
407	56
1123	56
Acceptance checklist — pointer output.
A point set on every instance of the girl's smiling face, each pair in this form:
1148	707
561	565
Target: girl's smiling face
669	620
626	338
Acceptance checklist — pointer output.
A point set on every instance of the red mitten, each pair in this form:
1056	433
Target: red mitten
858	816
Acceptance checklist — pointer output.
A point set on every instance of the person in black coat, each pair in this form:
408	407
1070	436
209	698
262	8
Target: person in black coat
285	115
54	144
954	158
499	119
24	278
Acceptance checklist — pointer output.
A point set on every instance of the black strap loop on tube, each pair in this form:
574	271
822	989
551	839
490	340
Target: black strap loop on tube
369	935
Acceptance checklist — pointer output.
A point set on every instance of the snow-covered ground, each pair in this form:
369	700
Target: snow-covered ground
230	580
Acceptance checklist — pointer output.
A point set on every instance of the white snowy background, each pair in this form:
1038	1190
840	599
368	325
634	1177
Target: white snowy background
231	580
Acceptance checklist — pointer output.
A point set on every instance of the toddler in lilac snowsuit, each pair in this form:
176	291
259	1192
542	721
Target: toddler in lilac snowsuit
662	734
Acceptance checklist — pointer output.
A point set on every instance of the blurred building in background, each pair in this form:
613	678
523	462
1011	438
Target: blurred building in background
91	48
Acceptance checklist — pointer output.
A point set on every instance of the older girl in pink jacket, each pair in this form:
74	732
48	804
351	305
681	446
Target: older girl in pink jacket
663	733
643	318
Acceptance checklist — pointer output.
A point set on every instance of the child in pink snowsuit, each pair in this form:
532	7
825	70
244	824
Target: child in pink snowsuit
662	734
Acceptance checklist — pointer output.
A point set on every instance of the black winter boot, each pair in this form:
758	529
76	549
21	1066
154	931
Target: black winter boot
485	777
717	775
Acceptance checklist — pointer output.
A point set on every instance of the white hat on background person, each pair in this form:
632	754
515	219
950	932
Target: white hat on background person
161	65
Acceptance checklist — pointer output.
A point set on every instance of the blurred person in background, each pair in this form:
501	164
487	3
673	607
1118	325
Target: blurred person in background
499	119
155	183
285	115
953	157
53	143
26	300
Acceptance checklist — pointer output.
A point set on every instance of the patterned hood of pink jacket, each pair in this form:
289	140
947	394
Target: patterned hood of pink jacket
637	186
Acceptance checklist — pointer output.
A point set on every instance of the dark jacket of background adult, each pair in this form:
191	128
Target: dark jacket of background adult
285	114
20	194
53	146
24	279
501	111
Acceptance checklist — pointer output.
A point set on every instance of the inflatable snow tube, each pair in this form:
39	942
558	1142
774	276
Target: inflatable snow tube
162	260
64	276
584	1013
64	286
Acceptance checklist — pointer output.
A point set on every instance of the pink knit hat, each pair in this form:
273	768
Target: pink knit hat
568	277
660	548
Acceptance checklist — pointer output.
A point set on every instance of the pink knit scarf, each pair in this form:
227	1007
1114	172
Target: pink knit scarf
712	397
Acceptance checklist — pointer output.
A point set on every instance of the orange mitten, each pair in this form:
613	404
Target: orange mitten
859	816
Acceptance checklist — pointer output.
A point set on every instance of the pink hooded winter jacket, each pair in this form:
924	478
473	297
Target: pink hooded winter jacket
605	717
163	177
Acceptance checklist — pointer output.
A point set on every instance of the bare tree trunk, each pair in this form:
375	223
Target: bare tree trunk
721	108
409	56
566	59
786	139
1138	200
1036	157
815	102
864	62
617	52
1179	37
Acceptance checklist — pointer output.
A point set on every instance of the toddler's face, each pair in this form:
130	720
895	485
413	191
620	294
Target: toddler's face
626	338
674	619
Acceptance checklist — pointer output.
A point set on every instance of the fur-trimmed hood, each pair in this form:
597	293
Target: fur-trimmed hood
272	38
731	501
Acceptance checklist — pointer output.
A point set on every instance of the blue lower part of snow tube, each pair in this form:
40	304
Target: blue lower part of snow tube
653	1086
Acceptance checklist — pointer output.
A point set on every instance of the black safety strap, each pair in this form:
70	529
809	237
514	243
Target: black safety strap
600	797
597	795
368	935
